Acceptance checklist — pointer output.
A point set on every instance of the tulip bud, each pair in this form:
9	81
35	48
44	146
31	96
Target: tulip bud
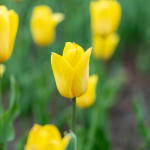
8	29
71	71
46	137
87	99
104	47
43	24
105	16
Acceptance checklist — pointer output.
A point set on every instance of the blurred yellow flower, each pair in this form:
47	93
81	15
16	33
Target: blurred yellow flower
46	137
105	16
104	47
71	71
8	29
87	99
2	70
43	24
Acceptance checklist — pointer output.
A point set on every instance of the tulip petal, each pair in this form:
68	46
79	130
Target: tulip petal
98	45
42	30
101	18
79	47
105	16
69	46
13	27
81	77
65	142
53	132
32	147
3	8
115	12
63	73
46	134
33	134
72	53
57	18
42	10
4	34
2	70
87	99
111	43
73	56
40	137
42	25
52	145
83	101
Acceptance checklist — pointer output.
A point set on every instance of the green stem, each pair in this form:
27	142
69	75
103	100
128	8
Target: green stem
1	112
73	115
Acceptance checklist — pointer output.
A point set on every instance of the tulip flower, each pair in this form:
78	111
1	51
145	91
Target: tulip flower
46	137
43	24
8	29
104	47
71	70
105	16
2	70
87	99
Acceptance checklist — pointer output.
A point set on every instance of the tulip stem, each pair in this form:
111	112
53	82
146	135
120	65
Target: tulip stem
1	111
73	115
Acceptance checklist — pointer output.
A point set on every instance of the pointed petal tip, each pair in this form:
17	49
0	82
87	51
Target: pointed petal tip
94	78
53	53
90	50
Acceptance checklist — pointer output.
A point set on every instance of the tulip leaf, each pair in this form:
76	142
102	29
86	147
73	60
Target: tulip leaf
73	142
139	114
97	133
110	89
11	113
81	136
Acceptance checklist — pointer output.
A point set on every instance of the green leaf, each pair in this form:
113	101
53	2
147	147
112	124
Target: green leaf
73	142
11	113
97	135
139	114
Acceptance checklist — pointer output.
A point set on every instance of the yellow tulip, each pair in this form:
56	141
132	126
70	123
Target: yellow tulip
105	16
2	70
71	71
43	24
8	29
104	47
87	99
46	137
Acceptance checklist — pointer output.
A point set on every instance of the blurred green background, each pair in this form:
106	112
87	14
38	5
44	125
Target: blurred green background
40	101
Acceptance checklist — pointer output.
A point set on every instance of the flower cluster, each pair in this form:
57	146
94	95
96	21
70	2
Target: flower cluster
71	70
